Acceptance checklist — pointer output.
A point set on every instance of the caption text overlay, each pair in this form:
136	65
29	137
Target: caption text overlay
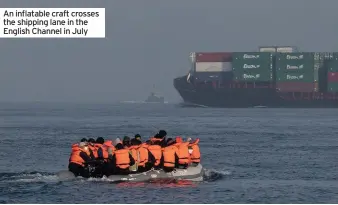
52	23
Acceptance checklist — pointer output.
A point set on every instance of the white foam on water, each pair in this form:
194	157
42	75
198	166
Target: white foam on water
30	177
213	174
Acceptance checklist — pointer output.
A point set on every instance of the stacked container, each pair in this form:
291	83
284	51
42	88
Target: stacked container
252	66
279	49
295	72
332	75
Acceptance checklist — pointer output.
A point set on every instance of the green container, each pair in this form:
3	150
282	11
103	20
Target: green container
295	77
295	67
252	66
332	87
332	65
295	57
252	76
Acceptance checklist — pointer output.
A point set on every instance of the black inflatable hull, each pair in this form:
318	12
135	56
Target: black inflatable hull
194	173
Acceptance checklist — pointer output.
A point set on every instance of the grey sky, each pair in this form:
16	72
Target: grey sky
148	42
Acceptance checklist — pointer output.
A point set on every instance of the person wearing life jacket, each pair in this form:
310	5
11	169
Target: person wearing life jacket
96	164
183	153
106	150
101	155
144	161
122	159
155	149
92	148
194	151
170	156
79	159
162	135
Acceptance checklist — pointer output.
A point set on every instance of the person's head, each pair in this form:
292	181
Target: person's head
100	140
157	136
135	142
83	145
138	137
84	140
119	146
126	141
162	133
91	140
117	140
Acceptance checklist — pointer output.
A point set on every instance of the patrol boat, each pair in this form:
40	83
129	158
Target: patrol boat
153	98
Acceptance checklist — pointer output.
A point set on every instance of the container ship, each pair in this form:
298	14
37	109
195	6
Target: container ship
273	76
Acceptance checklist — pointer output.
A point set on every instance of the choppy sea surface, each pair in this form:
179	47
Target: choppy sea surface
249	155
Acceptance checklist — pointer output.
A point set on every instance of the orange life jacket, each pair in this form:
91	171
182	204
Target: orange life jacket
144	156
75	145
169	156
196	154
134	152
94	148
145	145
183	152
178	139
140	154
156	151
122	158
107	145
75	156
86	150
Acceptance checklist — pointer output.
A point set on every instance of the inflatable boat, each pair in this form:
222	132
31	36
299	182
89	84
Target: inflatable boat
193	173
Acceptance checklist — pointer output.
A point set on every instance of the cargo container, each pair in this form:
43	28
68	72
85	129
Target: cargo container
213	66
332	77
332	86
333	65
295	67
252	57
295	77
280	49
295	57
213	76
267	49
296	87
286	49
252	76
214	57
208	76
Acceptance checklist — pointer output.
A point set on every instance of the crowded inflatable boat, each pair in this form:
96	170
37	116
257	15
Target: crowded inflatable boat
134	160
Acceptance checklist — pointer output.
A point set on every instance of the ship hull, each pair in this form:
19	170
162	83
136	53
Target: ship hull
211	96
